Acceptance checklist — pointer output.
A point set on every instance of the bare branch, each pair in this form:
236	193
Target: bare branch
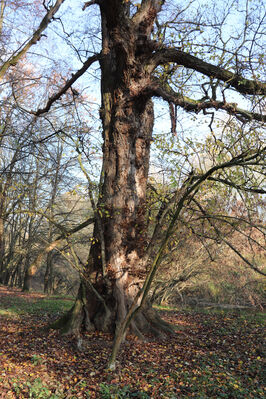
231	184
167	93
58	240
34	39
242	85
228	243
68	84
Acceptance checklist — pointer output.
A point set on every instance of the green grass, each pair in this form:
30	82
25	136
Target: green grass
111	391
35	389
8	313
19	306
244	314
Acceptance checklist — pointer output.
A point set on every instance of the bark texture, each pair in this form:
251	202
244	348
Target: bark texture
111	284
118	257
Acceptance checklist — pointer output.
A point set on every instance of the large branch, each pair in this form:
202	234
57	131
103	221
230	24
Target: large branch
91	3
12	61
67	85
242	85
148	9
157	89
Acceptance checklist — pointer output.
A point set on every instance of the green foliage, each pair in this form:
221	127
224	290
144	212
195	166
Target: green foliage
214	290
35	390
206	384
75	392
36	360
111	391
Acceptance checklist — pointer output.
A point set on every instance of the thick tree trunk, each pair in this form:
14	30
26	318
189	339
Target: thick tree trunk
105	298
111	284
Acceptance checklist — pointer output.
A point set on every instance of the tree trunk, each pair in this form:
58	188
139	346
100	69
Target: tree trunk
2	249
2	235
48	277
27	282
111	284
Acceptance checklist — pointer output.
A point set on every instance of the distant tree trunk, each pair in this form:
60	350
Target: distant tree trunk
15	280
2	235
48	277
27	282
2	249
35	265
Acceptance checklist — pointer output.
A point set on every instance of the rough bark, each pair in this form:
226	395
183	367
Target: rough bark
127	119
2	247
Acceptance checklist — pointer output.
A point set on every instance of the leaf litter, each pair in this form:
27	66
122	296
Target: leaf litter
211	355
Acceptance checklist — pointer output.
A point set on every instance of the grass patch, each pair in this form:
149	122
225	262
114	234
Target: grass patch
242	314
8	313
20	306
111	391
36	389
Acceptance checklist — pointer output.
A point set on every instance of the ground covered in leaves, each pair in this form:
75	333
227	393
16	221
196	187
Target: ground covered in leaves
212	355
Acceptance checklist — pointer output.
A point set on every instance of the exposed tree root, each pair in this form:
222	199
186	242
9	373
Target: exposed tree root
146	323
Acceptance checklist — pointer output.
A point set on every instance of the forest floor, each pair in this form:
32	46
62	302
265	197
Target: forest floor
212	355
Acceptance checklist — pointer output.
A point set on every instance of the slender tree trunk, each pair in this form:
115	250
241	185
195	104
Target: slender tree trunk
2	9
48	277
2	235
36	264
2	248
